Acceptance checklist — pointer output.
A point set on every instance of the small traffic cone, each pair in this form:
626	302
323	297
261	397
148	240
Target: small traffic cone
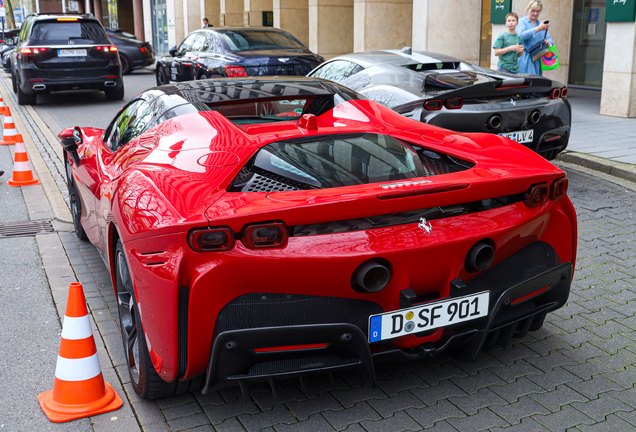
8	133
79	389
2	106
22	174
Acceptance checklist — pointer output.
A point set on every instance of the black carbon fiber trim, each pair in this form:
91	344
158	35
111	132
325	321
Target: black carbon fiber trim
300	364
532	260
403	218
184	298
259	310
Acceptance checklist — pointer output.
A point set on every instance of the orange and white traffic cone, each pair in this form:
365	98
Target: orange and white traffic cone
79	389
8	133
22	174
2	106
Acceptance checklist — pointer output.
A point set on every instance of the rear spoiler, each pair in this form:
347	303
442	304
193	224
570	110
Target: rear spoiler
502	87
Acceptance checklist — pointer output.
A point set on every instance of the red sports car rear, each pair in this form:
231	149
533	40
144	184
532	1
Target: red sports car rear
267	228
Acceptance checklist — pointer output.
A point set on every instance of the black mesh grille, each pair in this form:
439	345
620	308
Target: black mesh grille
260	310
184	297
438	163
259	183
289	365
534	259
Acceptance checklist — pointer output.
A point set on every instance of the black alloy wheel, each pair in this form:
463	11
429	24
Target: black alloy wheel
143	376
24	98
75	203
125	65
161	78
13	83
128	317
115	94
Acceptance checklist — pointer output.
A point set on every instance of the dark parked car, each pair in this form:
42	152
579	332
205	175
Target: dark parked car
64	52
236	52
133	53
6	59
7	40
7	43
453	94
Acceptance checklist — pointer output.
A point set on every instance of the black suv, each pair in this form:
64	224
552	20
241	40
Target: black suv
65	52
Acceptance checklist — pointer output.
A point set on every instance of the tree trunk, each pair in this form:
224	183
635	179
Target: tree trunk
8	8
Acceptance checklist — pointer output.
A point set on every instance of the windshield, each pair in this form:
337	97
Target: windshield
80	32
246	40
330	161
263	111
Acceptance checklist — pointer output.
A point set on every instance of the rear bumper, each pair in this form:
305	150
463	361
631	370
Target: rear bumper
524	288
54	80
551	132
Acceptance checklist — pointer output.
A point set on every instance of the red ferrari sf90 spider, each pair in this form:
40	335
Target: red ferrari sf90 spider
263	228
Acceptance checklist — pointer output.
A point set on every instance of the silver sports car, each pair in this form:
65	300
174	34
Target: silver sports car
453	94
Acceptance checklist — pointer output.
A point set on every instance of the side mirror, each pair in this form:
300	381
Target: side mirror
173	51
77	136
71	143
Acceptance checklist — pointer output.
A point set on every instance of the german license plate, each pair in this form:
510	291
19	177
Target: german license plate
526	136
428	316
71	52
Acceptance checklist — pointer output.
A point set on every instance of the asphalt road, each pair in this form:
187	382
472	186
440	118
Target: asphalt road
90	108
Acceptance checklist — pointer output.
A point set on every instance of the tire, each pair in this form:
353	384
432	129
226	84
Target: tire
115	94
26	99
125	65
161	78
13	83
75	203
143	376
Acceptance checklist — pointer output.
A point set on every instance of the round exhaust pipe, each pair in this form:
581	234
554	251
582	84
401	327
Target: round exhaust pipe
371	276
534	117
494	121
479	257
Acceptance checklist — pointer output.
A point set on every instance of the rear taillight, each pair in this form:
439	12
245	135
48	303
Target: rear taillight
564	92
265	235
111	48
433	105
143	49
555	93
558	189
211	239
32	50
235	71
454	103
537	195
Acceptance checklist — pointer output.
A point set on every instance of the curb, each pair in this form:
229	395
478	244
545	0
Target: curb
56	200
615	169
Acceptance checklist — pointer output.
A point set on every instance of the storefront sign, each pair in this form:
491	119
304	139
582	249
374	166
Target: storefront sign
498	11
268	19
620	11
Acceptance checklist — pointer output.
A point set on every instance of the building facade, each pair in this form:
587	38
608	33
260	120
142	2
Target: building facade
593	53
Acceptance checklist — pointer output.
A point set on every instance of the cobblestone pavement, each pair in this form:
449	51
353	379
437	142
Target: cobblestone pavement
577	373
